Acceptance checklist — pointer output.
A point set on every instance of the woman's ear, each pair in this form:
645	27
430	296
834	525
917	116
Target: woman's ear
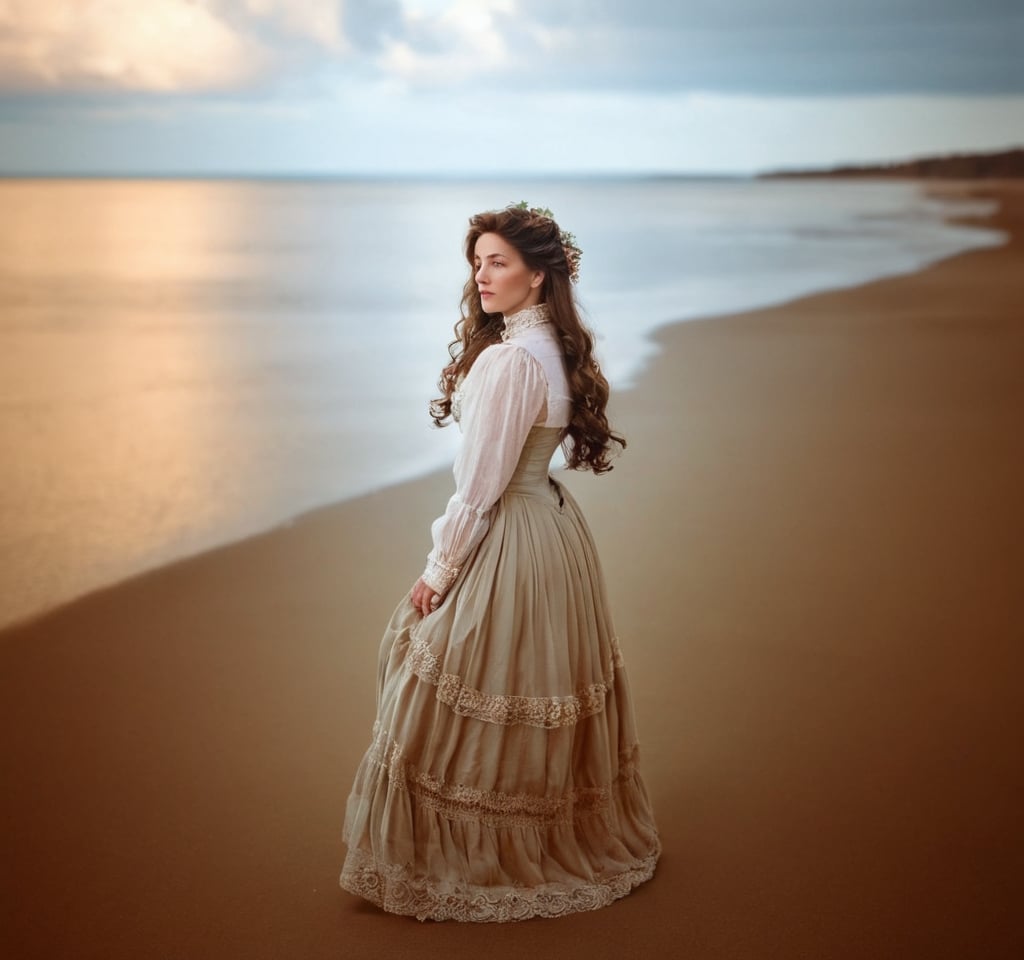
538	279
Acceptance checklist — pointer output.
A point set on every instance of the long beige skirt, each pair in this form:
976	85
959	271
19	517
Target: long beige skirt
502	780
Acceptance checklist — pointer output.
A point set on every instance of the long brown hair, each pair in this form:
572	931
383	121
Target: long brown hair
588	439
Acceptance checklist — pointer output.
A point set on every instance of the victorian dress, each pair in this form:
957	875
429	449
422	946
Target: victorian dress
502	779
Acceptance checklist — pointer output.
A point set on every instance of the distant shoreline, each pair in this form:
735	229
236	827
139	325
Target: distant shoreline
991	165
1001	165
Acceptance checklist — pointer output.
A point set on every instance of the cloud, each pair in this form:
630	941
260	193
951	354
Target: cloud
450	46
786	47
739	47
162	46
316	47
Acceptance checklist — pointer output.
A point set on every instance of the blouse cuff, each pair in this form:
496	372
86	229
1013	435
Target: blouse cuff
439	576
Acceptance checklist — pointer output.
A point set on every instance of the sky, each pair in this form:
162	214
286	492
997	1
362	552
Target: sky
482	87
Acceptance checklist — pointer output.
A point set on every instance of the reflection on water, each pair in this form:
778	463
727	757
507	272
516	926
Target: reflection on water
118	385
184	363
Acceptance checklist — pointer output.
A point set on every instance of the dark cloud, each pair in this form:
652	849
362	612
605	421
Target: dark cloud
801	47
730	14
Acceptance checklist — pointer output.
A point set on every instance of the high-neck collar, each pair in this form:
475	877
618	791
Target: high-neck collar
524	319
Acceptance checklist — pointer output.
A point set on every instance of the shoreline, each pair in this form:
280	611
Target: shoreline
955	189
813	552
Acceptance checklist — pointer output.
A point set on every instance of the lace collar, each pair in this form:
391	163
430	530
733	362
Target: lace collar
524	319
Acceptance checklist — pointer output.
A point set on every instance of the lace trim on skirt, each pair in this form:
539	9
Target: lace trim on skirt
391	887
547	712
458	801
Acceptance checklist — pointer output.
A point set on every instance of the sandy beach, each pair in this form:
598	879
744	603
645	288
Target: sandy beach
814	546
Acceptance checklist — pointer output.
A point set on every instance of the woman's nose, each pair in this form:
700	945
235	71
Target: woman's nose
481	273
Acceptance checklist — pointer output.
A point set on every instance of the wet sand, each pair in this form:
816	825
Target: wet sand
815	552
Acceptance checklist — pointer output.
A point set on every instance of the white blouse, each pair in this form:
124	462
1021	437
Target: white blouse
512	387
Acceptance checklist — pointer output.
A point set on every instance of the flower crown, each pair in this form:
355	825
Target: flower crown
573	254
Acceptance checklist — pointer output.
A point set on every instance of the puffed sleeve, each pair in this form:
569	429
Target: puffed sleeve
503	396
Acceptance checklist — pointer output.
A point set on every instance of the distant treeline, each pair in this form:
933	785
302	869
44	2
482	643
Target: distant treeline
957	166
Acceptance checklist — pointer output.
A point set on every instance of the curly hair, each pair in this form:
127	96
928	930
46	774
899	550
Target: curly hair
588	439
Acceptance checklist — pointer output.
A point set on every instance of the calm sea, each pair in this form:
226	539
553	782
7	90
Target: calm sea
184	363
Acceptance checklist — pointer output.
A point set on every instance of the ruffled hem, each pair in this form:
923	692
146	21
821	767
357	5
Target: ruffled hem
447	851
393	889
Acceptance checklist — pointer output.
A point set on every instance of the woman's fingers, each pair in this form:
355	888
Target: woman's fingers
425	600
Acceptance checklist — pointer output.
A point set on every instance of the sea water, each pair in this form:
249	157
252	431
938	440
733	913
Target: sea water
187	362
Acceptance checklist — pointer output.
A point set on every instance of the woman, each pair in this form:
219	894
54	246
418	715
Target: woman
502	779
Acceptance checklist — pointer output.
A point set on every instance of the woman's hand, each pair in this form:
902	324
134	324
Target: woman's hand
425	600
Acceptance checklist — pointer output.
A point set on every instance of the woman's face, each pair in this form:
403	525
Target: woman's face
506	284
